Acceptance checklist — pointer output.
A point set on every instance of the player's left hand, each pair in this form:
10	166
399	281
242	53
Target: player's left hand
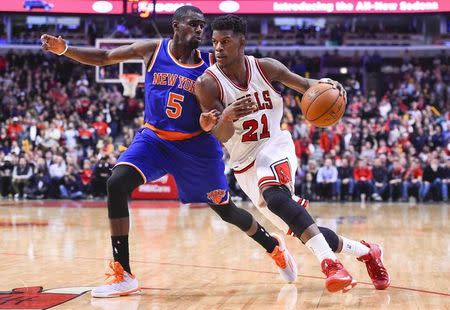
338	85
209	119
56	45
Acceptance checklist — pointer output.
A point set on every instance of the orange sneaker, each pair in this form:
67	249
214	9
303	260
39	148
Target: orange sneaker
122	284
338	278
374	264
287	267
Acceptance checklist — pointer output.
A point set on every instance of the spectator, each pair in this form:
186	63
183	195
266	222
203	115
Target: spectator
39	184
345	183
431	181
396	175
412	183
101	128
363	178
101	173
86	177
380	179
14	129
71	135
70	186
6	171
326	180
21	176
57	171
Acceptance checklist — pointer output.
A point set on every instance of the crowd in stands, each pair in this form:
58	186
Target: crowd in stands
337	31
61	133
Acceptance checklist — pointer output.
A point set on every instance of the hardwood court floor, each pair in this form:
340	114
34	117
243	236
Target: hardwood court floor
186	258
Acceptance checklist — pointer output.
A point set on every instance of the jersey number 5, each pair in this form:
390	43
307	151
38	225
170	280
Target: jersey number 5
252	125
174	106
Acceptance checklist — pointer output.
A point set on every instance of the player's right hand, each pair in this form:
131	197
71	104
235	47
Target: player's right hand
241	107
209	119
53	44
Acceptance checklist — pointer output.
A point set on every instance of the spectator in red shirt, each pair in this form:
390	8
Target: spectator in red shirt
86	177
86	137
101	128
14	129
325	142
412	181
363	178
396	174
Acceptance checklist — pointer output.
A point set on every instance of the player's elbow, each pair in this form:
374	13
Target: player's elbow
104	59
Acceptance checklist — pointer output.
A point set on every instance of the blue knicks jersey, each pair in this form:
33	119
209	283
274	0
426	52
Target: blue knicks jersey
170	103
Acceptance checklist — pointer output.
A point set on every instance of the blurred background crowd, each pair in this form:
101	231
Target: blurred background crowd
61	132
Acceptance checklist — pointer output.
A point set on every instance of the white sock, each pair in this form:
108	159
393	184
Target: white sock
352	247
319	247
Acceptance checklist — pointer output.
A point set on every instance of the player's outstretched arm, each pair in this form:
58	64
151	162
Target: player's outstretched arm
99	57
276	71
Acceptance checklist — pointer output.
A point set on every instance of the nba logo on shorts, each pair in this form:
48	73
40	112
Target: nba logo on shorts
216	195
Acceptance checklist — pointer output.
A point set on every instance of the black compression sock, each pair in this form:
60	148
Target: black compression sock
121	251
263	238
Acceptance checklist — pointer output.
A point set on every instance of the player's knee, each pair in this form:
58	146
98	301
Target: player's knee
123	180
113	185
233	215
279	201
120	185
331	237
224	211
276	197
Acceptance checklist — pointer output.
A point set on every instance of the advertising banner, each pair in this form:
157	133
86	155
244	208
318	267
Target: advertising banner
163	188
145	8
63	6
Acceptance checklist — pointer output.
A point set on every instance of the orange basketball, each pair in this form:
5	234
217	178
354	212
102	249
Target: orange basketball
322	105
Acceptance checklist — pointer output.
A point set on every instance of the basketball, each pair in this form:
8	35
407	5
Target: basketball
322	105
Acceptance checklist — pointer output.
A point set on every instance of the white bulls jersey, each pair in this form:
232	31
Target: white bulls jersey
261	154
252	131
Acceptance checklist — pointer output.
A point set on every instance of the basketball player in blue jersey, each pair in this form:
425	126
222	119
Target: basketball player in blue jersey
171	142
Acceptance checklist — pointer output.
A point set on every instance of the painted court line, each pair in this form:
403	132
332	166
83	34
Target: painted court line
235	269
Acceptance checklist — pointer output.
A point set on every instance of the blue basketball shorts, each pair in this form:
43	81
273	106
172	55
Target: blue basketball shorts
196	164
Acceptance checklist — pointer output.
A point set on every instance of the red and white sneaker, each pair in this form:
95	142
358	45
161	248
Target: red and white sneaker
338	278
122	284
374	264
287	267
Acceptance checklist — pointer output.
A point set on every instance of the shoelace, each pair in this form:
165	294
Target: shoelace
278	257
376	264
331	267
117	273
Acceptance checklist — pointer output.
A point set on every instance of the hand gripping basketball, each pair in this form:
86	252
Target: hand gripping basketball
338	85
323	104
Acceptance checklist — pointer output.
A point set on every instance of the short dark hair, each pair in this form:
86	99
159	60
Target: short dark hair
230	22
182	11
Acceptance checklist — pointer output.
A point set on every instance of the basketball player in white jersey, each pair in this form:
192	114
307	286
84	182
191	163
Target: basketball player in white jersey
262	155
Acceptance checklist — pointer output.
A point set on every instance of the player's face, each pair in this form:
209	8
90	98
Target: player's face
190	29
228	46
